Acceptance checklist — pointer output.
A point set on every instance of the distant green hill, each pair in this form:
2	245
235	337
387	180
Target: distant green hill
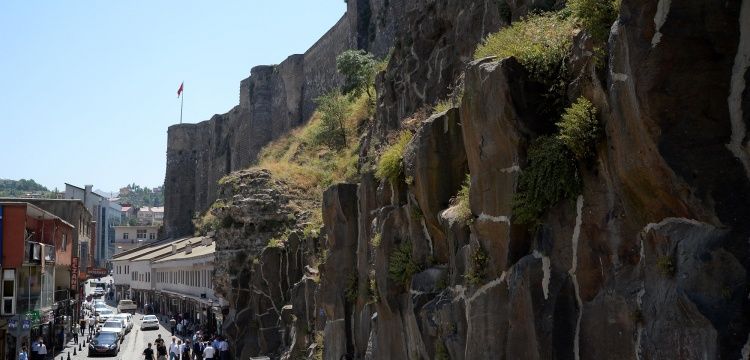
15	188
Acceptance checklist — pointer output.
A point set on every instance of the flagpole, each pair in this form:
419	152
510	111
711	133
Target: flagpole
182	100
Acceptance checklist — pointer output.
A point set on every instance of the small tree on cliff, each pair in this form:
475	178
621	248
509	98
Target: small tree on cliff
331	131
359	68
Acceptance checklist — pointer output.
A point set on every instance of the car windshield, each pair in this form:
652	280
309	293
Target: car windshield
105	312
149	318
126	302
112	324
105	338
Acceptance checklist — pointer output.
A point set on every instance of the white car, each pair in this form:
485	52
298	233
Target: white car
114	326
126	305
150	322
105	314
127	318
99	307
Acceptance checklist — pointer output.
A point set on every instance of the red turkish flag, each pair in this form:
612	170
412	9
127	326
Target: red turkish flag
179	91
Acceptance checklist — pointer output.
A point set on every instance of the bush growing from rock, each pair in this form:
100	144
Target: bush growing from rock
462	209
390	164
331	131
479	258
401	266
596	16
539	42
550	176
580	129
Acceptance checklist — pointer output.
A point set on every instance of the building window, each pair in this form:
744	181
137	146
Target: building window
9	292
64	242
140	234
125	236
152	236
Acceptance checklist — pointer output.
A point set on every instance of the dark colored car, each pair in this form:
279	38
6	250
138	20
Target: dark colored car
104	343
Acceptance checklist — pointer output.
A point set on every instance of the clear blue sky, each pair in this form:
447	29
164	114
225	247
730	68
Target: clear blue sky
88	88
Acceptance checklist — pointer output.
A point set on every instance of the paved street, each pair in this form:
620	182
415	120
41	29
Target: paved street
131	348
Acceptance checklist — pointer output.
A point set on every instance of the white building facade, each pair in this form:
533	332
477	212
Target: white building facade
172	276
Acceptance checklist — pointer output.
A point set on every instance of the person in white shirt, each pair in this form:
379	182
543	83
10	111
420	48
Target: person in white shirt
209	352
42	350
174	350
224	348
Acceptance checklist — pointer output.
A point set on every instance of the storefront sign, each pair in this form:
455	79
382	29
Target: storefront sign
12	324
26	325
97	272
74	273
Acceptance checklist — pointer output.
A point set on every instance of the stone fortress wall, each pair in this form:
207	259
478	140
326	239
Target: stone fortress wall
273	100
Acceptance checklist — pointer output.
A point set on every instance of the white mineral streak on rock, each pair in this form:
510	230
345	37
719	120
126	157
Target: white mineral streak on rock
746	349
512	169
485	287
572	272
547	269
666	221
737	87
427	236
500	218
619	76
662	10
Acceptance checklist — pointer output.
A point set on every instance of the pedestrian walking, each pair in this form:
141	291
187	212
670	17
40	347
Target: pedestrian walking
82	323
148	353
172	324
224	348
173	349
42	350
35	349
209	352
23	355
161	349
75	334
185	350
92	323
198	350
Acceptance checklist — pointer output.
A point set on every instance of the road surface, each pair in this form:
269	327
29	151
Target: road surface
131	348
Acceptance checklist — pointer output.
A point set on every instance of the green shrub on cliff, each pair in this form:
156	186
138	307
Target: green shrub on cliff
550	176
479	258
307	163
331	131
460	202
580	129
401	266
539	42
390	164
596	16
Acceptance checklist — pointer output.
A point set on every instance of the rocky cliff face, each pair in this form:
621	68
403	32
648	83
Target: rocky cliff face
649	260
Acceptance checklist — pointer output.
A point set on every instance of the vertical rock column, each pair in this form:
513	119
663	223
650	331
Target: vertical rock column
338	271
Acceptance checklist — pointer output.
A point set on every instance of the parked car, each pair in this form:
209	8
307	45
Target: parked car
98	307
105	314
97	293
126	306
127	318
104	343
113	325
150	322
